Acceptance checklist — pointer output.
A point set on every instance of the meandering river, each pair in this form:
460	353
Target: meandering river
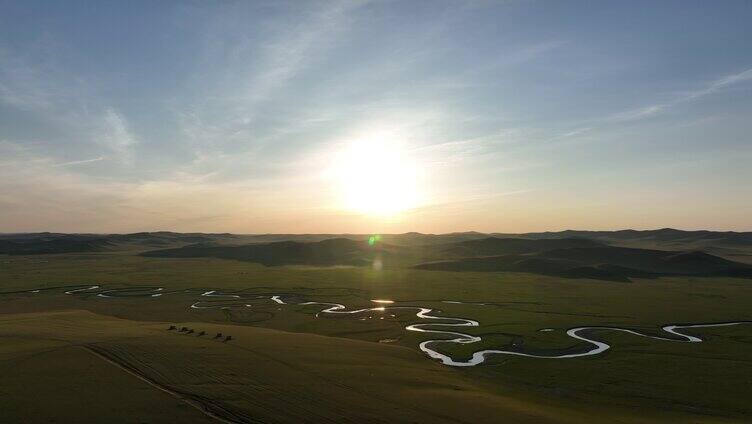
430	322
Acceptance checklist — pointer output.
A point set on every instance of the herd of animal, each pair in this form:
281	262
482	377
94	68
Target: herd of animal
187	330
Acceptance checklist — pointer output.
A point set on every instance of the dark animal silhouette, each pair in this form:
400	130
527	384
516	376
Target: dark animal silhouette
172	327
228	338
218	336
184	329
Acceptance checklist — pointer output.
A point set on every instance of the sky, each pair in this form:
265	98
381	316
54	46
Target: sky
375	116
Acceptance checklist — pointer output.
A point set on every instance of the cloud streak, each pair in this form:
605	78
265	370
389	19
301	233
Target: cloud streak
706	90
78	162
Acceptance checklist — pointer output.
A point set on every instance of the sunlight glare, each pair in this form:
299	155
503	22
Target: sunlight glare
377	177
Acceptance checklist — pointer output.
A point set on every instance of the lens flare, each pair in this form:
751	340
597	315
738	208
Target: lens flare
373	240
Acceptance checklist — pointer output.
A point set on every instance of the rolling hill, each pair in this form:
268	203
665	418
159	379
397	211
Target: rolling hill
496	246
610	255
337	251
56	244
601	262
566	257
52	243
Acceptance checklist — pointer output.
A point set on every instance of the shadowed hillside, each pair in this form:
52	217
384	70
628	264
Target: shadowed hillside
663	235
56	244
571	257
339	251
345	251
496	246
732	245
603	262
51	243
611	255
460	244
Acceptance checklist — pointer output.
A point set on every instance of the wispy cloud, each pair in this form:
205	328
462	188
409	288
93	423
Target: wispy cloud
287	55
256	71
116	135
708	89
35	82
721	83
22	84
78	162
37	194
467	201
649	111
456	151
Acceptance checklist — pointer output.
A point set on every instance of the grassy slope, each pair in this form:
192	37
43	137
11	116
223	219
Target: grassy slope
730	245
605	263
564	257
49	378
263	375
659	377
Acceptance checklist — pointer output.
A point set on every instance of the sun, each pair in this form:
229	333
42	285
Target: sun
377	177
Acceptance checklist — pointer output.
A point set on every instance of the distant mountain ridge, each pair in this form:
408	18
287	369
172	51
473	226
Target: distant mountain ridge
605	262
494	246
338	251
50	243
566	257
664	235
63	243
608	255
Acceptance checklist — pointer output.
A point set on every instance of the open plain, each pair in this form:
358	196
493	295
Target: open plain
147	336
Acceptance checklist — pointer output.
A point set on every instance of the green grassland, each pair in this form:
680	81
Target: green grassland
262	376
391	380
